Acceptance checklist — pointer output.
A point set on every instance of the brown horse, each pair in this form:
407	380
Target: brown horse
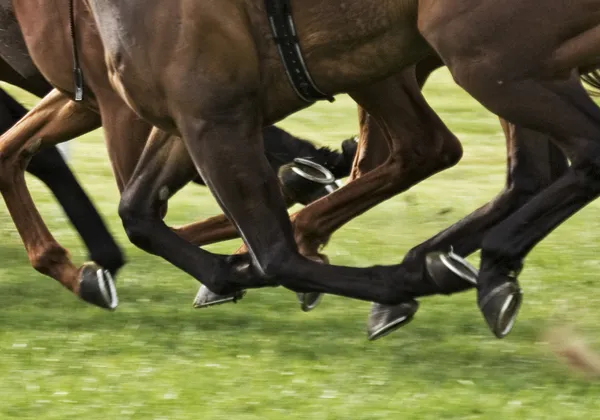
224	82
281	148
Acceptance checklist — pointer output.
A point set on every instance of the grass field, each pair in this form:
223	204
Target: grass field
158	358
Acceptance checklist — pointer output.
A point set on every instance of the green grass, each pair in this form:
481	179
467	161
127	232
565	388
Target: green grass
158	358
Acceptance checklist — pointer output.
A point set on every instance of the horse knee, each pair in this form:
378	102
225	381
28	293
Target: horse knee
136	222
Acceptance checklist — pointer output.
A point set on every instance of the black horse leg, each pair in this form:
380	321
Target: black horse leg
564	110
49	166
247	190
159	174
533	163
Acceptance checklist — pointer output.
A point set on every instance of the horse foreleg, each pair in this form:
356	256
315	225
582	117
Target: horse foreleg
55	119
50	167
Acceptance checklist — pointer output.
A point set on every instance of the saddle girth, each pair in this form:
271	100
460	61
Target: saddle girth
283	29
77	73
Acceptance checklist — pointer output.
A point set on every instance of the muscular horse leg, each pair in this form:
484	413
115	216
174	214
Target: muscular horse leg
49	166
565	111
417	144
44	127
533	163
159	174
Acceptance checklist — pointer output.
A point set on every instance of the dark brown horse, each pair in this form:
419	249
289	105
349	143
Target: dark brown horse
222	53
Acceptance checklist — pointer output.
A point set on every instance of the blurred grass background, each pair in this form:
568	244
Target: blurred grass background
158	358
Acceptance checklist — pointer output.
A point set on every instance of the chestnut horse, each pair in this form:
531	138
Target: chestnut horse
224	82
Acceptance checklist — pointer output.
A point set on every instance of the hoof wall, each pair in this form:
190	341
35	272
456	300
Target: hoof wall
309	301
96	286
500	308
451	272
385	319
205	298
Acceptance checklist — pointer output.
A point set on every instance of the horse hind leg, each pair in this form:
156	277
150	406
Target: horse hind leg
533	163
563	109
53	120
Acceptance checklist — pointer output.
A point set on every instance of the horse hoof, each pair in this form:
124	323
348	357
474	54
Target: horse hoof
304	181
96	286
205	298
309	301
450	272
500	307
385	319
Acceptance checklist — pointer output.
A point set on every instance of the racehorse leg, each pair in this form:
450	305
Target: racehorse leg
565	111
49	166
247	190
160	172
416	146
533	163
44	127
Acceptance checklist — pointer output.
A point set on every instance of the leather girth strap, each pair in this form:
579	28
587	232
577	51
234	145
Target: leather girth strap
283	29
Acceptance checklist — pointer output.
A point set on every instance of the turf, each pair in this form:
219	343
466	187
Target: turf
158	358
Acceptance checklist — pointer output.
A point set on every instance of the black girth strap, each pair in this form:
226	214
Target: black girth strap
77	73
279	13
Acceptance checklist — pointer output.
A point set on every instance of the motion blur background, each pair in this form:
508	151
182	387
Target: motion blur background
158	358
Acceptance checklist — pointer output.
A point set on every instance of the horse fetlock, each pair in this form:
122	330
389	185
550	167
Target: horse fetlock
46	259
109	258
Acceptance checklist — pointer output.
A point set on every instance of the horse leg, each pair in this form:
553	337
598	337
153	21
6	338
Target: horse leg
533	163
159	174
281	149
49	166
44	127
247	190
166	161
565	111
419	146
